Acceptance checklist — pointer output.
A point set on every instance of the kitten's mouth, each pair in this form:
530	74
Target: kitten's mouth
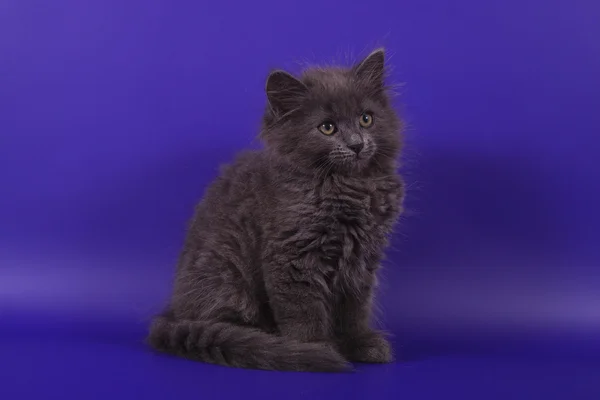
357	160
364	155
351	161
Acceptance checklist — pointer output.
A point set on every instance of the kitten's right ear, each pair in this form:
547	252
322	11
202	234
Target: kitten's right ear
372	68
284	92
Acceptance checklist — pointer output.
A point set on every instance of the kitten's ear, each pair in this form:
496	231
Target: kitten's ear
372	68
284	92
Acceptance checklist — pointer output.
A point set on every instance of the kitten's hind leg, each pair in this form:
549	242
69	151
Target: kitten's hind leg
216	317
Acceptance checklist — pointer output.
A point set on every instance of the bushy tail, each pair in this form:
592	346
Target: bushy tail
238	346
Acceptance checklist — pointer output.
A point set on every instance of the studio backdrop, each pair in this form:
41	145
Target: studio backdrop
116	115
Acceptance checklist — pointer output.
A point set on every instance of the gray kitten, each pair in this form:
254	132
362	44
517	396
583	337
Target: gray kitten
279	264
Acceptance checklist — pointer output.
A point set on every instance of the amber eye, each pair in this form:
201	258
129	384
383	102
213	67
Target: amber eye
366	120
327	128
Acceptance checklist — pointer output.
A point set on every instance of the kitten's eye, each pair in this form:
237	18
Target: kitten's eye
327	128
366	120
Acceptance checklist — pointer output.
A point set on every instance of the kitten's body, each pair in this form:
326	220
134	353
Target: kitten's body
279	264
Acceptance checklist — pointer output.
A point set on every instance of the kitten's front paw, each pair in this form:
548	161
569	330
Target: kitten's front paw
368	348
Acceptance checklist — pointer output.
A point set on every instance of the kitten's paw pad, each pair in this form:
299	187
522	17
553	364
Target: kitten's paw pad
372	349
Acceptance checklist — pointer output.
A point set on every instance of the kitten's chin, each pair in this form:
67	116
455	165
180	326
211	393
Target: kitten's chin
362	163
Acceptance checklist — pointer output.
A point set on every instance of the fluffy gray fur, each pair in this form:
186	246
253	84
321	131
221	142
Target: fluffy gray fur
279	265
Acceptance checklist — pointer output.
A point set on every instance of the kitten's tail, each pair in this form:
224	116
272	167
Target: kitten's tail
239	346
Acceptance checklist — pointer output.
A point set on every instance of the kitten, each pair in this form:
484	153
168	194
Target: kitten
279	264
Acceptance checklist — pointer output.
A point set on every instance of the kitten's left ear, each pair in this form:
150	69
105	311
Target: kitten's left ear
372	68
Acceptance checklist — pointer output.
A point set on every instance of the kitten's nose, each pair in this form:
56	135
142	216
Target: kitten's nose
356	147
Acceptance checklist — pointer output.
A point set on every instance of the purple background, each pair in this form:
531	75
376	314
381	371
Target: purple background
113	119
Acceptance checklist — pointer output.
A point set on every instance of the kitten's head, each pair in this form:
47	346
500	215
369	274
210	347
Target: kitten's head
333	119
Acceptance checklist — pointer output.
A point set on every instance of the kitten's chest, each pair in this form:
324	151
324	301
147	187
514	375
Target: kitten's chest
355	217
360	203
